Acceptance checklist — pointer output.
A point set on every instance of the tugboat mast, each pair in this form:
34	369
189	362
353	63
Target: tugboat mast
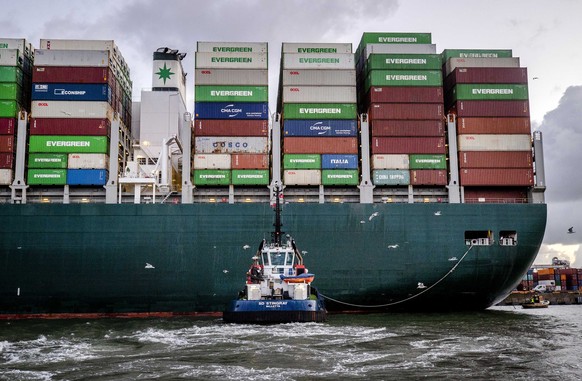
276	235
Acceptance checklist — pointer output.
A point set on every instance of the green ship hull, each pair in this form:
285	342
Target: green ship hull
156	259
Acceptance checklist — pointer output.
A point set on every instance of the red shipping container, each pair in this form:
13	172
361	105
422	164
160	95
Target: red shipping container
517	195
6	160
7	126
493	159
409	94
514	75
62	74
220	127
409	111
408	145
72	126
428	177
7	143
495	176
249	161
407	128
493	125
491	108
320	145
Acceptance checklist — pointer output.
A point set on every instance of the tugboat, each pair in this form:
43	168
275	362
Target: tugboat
278	287
536	301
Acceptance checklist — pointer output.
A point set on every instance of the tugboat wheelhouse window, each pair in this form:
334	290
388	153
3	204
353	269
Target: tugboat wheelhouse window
479	238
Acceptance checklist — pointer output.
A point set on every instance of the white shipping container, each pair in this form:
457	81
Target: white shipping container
453	63
316	77
231	47
84	58
302	177
297	47
318	61
251	77
399	49
206	60
517	142
88	161
71	109
212	161
5	176
319	94
11	57
108	45
16	43
390	162
231	144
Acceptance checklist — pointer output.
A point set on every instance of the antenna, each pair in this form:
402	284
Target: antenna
276	235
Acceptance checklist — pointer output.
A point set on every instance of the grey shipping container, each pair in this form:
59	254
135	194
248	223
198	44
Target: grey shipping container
319	94
231	144
398	49
302	177
315	77
71	109
453	63
251	77
484	142
395	161
83	58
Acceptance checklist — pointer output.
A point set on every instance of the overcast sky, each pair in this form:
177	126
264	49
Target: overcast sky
546	35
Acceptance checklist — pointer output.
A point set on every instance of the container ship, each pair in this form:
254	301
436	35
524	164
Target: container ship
412	179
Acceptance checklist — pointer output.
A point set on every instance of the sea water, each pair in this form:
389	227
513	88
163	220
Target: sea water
501	343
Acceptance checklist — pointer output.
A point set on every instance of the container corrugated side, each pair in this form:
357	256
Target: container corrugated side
477	91
48	160
491	108
496	194
6	160
408	145
11	74
8	126
69	144
319	111
327	61
233	127
249	161
453	63
212	161
407	127
403	78
476	53
70	126
226	110
46	177
64	74
221	60
339	161
390	177
219	93
428	177
317	48
231	47
320	145
328	127
88	161
252	77
390	161
485	142
403	62
9	109
396	49
319	94
301	161
316	77
5	176
7	143
393	94
72	109
340	177
91	177
71	92
493	125
517	75
495	159
11	57
497	176
250	177
302	177
406	111
428	162
211	177
16	43
392	38
10	92
94	58
230	144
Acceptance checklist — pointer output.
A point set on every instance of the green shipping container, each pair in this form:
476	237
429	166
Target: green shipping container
47	177
11	74
301	161
475	53
250	177
9	109
231	93
320	111
404	62
68	144
392	38
340	177
47	160
10	91
497	92
403	78
212	177
428	162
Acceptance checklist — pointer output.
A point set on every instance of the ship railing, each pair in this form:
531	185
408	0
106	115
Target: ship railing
497	201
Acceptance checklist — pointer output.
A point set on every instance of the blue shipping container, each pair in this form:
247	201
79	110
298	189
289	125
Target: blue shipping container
222	110
86	176
71	92
331	127
339	161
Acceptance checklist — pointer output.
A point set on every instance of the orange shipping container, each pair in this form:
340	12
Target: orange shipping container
495	159
221	127
496	176
249	161
507	125
320	145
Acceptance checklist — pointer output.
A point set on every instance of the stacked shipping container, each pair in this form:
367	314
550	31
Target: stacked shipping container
79	87
231	126
400	86
317	100
487	90
16	56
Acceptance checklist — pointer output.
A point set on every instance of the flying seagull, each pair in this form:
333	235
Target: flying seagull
149	266
571	230
246	247
437	213
372	216
421	285
393	246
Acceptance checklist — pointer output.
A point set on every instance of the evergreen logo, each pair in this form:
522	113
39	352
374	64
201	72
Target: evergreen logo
165	73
